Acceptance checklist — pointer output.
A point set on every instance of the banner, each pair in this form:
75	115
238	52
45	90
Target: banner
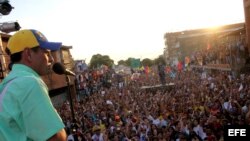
135	63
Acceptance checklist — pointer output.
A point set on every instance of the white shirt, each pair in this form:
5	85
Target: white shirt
96	137
199	131
227	106
70	138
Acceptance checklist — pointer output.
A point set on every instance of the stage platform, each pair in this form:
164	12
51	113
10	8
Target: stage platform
167	86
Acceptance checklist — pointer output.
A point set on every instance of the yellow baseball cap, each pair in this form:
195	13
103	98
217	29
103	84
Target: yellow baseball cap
96	128
30	38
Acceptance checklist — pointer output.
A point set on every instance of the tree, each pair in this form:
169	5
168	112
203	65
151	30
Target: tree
147	62
159	60
97	60
128	61
122	62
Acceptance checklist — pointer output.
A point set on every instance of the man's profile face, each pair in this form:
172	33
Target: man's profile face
41	61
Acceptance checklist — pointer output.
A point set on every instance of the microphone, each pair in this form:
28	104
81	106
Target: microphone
58	68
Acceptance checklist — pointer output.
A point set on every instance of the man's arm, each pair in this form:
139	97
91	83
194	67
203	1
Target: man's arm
59	136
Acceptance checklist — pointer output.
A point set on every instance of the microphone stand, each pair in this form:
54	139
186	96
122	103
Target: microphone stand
70	98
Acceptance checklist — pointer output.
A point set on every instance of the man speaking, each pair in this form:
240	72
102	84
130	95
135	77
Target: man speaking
26	111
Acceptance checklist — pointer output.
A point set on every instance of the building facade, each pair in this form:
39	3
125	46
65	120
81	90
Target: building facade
247	20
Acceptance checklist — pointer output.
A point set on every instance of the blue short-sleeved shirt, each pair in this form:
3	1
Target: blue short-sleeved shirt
26	111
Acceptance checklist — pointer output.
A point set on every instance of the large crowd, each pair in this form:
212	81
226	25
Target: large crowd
195	108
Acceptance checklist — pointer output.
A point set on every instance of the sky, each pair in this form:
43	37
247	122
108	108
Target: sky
120	28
